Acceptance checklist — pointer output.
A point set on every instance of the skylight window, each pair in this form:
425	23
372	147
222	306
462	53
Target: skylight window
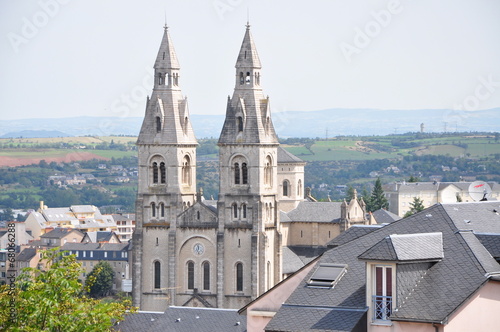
327	275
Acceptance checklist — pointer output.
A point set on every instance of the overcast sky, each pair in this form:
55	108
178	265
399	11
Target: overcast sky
64	58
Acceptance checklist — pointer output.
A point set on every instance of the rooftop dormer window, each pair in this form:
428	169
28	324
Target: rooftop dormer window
327	275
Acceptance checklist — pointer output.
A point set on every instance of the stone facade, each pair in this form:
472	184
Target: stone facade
185	250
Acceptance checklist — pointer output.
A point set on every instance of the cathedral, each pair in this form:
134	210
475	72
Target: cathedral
188	251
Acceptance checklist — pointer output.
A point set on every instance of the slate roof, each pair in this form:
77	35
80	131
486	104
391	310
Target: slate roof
352	233
480	217
100	236
26	255
491	242
316	212
441	290
95	246
285	157
291	261
317	319
385	217
307	253
83	208
188	319
407	247
59	233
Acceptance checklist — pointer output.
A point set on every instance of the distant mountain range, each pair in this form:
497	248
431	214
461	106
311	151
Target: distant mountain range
331	122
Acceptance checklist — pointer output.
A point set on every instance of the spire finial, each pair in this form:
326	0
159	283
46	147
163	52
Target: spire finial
248	19
165	26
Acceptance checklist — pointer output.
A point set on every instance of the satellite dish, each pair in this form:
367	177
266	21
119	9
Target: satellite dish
479	191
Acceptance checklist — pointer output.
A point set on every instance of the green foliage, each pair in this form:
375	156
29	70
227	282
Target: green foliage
53	300
349	195
416	206
366	198
7	214
413	179
99	282
377	200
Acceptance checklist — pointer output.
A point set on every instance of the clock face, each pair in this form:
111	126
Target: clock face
198	249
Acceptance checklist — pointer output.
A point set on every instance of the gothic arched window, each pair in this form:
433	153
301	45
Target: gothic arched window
158	124
186	170
163	173
286	186
153	210
160	79
206	276
155	172
239	277
299	188
242	80
157	275
235	211
162	210
248	78
244	170
190	275
236	173
244	211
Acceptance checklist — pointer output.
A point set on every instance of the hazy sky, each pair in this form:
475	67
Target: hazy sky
62	58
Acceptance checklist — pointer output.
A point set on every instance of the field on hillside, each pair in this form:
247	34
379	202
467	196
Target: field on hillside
394	147
24	151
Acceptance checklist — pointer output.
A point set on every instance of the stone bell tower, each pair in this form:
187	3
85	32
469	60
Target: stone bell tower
249	240
167	183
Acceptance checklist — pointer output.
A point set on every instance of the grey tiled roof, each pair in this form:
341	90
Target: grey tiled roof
441	290
385	217
307	253
26	255
285	157
491	242
479	217
316	212
422	246
180	319
352	233
58	233
291	261
317	319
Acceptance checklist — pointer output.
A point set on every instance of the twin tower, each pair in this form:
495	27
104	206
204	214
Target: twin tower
192	252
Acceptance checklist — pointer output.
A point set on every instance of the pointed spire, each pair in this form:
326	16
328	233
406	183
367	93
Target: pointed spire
248	56
167	58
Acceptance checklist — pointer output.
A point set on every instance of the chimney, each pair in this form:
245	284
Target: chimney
41	205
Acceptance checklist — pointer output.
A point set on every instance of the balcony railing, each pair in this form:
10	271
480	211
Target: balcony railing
382	307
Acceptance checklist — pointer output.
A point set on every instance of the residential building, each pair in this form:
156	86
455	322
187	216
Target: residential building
125	224
19	236
426	272
101	237
401	194
86	218
116	254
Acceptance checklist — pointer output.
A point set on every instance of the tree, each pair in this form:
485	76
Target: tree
378	200
416	206
367	199
54	300
413	179
349	194
99	282
7	214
